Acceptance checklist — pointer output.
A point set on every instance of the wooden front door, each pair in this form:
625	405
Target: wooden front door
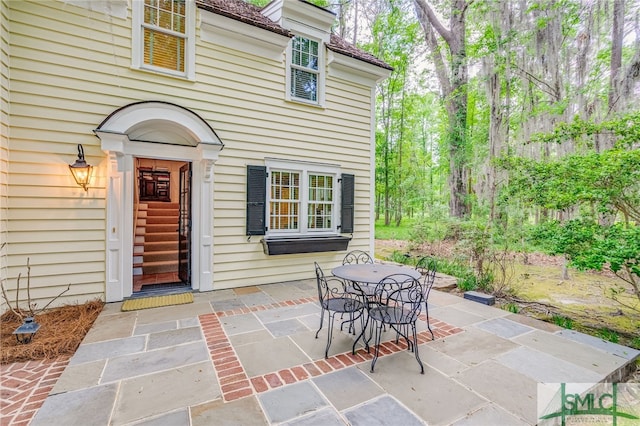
184	225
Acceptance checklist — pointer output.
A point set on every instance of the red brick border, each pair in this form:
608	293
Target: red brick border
234	382
24	386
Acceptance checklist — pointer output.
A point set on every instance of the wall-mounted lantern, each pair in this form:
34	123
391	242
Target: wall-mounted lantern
25	332
80	170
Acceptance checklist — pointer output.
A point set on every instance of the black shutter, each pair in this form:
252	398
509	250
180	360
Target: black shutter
256	199
347	205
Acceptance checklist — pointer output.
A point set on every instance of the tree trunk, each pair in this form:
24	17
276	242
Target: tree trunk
454	91
617	33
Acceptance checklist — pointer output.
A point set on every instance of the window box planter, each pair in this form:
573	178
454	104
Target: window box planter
291	245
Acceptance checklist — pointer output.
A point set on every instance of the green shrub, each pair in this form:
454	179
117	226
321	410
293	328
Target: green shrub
564	322
467	283
511	307
400	257
466	279
609	335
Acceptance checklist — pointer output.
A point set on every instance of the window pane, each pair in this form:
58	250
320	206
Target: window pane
178	24
284	208
167	14
163	50
165	19
320	207
304	53
162	47
304	84
150	12
166	5
304	68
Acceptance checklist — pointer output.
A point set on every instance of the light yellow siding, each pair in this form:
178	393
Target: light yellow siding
71	67
4	144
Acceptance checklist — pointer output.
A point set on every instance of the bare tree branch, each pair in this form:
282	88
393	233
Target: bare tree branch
438	60
424	9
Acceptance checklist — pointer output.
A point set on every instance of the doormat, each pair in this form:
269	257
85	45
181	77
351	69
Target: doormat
157	301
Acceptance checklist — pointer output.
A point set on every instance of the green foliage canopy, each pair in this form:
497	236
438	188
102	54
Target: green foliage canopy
606	182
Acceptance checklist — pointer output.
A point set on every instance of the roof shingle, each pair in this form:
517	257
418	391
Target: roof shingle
250	14
243	12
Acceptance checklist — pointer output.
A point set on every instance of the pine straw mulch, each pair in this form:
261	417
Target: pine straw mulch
61	331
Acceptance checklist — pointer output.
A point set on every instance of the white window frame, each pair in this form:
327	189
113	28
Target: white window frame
320	72
304	169
137	42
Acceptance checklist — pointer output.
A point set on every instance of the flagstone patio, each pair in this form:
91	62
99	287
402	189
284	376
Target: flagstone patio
249	357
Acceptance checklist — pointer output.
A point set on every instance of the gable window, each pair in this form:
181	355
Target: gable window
163	36
305	78
299	200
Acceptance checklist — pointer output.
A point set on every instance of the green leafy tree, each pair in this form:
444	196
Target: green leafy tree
596	195
591	246
607	183
394	39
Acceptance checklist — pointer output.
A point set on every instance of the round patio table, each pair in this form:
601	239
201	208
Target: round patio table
372	273
365	277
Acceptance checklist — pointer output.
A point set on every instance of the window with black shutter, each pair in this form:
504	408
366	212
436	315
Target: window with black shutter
295	205
347	204
256	199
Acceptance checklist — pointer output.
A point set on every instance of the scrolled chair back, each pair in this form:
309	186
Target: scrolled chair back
357	257
328	287
401	291
320	280
427	267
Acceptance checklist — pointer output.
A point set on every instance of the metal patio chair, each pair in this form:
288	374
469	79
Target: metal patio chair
397	303
334	299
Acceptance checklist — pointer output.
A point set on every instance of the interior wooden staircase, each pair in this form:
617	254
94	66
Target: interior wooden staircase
155	248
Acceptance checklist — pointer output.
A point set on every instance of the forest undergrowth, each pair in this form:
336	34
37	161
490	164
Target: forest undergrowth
579	303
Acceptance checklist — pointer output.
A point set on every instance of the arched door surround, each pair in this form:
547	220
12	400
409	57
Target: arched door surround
164	131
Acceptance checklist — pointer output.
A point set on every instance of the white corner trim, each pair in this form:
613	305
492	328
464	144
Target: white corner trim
348	68
308	31
239	36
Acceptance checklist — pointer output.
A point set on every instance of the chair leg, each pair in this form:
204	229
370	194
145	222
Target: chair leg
329	334
377	345
405	334
415	344
426	310
352	329
365	323
321	320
